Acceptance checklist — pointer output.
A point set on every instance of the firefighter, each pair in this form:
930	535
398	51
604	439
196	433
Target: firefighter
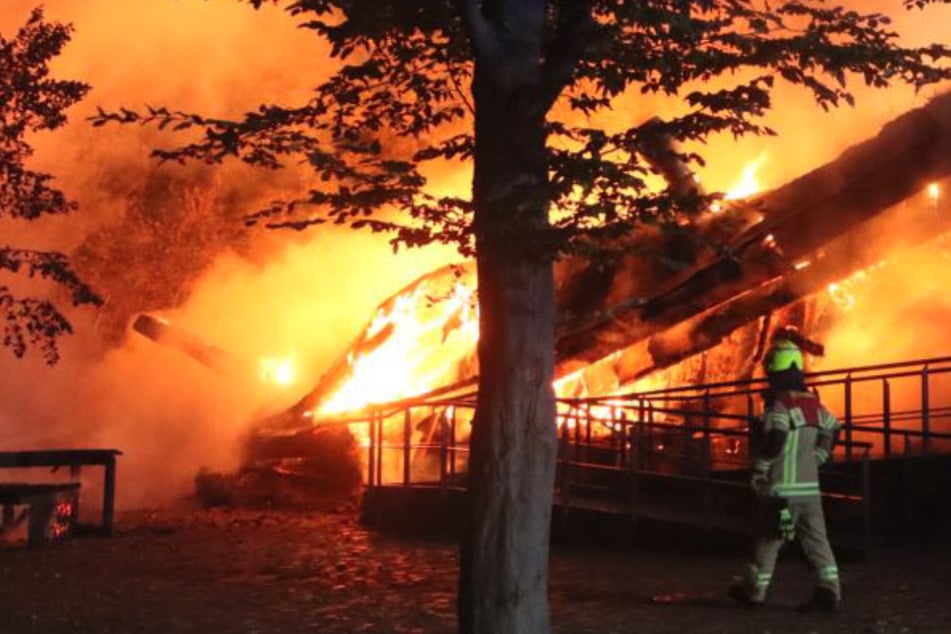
797	436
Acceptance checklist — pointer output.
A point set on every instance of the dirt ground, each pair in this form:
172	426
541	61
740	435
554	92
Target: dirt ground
254	572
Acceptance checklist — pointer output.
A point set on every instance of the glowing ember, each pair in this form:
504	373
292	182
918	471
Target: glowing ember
802	264
277	371
843	292
61	521
840	294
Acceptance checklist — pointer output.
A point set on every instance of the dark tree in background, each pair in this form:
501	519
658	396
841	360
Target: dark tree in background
503	85
30	101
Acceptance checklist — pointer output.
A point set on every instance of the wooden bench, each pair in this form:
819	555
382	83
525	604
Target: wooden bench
48	502
52	509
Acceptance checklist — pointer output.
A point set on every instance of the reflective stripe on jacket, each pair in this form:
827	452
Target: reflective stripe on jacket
805	429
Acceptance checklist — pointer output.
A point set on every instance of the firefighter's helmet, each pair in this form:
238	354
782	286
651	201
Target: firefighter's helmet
783	355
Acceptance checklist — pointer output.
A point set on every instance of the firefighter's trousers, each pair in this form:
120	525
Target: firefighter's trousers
811	533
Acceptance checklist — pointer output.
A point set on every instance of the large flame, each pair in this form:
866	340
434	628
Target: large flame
420	339
746	186
748	183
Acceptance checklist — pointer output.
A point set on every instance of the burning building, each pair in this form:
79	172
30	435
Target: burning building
622	327
789	255
633	319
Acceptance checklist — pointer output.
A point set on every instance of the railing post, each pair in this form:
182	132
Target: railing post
634	449
848	418
443	449
925	411
587	423
452	442
577	427
649	428
371	451
379	448
407	441
706	459
619	433
867	506
887	416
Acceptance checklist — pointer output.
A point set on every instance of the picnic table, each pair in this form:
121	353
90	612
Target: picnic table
53	508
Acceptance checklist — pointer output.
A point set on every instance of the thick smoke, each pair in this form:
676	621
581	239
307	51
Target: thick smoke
146	232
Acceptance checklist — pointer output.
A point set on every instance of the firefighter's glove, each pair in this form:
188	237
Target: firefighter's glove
787	527
759	482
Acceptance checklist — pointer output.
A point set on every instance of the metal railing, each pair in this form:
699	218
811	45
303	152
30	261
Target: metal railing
690	442
877	406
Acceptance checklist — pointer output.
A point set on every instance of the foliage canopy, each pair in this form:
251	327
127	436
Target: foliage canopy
399	100
31	101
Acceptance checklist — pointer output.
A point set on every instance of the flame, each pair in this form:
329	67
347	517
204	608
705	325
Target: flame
278	371
401	365
361	435
747	185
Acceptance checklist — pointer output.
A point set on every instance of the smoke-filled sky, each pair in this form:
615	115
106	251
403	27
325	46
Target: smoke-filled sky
302	296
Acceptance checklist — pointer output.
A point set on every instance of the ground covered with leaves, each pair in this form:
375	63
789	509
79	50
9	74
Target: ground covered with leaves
271	572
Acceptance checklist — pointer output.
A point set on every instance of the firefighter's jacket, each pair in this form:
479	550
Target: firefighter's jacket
798	435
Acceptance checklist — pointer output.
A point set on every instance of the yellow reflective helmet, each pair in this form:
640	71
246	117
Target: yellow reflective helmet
783	355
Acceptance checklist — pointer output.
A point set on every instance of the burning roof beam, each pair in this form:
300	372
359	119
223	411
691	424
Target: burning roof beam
857	250
800	218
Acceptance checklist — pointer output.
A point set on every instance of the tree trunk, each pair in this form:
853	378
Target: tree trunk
504	568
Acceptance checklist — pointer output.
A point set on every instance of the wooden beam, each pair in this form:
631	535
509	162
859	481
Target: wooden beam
800	218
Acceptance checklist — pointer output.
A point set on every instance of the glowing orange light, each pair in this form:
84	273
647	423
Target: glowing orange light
402	365
277	371
747	185
842	292
934	191
802	264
